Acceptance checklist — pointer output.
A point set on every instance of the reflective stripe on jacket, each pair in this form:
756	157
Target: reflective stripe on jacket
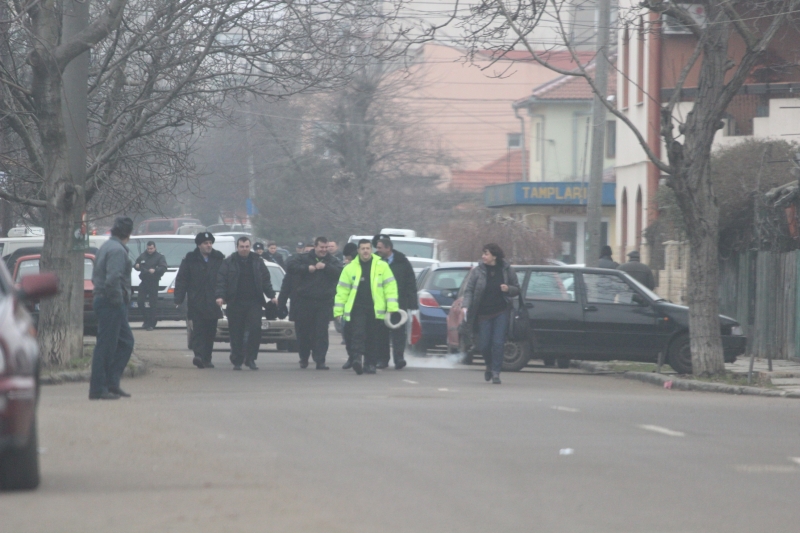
384	288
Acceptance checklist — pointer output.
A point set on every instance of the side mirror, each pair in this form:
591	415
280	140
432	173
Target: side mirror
38	286
638	299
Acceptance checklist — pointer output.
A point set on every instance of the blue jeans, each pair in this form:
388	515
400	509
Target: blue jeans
492	340
114	346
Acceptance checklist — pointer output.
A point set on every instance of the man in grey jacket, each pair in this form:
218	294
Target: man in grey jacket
112	290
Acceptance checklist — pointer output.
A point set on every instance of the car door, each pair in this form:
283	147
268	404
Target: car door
619	321
555	312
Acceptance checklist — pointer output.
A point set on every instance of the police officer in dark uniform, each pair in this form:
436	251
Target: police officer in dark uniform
197	279
151	266
259	248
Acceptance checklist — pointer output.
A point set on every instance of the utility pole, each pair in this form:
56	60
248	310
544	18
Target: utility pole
594	208
75	111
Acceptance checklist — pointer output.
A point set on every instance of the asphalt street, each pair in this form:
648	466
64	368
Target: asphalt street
431	448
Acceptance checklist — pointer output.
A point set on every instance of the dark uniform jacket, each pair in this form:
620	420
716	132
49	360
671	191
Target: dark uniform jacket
406	281
228	279
319	285
640	272
607	262
146	261
197	280
277	258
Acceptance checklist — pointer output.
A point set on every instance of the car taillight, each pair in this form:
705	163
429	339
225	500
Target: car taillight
171	290
416	331
426	299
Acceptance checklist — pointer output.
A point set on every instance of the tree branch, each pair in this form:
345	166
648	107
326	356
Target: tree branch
92	34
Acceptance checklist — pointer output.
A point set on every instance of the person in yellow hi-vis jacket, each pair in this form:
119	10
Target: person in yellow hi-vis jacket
367	291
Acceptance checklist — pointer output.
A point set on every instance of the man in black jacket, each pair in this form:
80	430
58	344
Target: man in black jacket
314	278
406	296
197	280
151	266
242	281
273	256
638	270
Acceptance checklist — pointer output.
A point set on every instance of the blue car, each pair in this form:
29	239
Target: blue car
437	288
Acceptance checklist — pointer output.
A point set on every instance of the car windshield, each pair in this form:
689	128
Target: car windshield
650	294
31	266
414	249
446	279
173	249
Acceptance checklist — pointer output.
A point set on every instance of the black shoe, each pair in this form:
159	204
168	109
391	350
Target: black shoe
251	365
322	366
400	365
348	365
356	364
208	364
487	375
198	362
237	367
370	369
382	365
496	378
303	364
119	392
104	396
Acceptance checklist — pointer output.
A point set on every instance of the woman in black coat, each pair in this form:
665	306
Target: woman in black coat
487	301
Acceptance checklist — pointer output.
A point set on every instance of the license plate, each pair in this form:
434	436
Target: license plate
264	324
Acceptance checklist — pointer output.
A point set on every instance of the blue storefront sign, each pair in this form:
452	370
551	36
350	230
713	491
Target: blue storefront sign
544	193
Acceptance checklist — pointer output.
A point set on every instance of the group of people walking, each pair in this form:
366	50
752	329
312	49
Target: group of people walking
368	291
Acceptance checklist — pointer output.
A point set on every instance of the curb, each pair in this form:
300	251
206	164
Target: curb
671	382
136	367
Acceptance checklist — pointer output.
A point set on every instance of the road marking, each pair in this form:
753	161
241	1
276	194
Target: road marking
189	355
766	469
412	382
565	409
663	431
795	459
444	390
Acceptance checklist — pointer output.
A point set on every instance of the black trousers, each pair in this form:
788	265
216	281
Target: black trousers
147	301
368	336
398	339
311	326
203	333
244	326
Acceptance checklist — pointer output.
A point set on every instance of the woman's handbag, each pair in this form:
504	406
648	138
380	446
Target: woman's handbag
519	324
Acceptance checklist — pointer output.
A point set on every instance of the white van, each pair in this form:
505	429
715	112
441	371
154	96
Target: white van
174	248
26	231
9	245
421	252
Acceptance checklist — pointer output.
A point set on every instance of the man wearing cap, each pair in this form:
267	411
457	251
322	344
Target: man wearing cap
112	294
300	248
242	281
638	270
151	266
197	282
258	248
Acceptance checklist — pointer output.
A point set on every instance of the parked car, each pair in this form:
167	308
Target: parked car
596	314
28	265
273	330
437	289
164	226
33	245
19	380
174	248
26	231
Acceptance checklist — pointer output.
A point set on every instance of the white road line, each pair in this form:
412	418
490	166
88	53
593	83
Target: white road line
565	409
766	469
795	459
412	382
444	390
663	431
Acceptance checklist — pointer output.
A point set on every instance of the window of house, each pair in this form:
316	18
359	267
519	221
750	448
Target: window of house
514	140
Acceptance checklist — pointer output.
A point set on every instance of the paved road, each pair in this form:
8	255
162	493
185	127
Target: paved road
419	450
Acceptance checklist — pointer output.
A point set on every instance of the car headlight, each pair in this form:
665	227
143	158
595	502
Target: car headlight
737	330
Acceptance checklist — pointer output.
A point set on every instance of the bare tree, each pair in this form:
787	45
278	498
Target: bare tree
746	24
160	69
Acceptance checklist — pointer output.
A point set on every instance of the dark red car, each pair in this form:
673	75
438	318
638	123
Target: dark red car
29	264
19	380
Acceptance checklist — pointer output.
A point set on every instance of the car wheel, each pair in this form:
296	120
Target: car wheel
19	467
679	356
549	361
562	362
516	356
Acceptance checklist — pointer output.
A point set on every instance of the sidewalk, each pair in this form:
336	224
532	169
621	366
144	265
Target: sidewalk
782	381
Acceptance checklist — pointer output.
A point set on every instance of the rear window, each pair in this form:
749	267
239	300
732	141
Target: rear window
446	279
557	286
414	249
159	226
31	266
